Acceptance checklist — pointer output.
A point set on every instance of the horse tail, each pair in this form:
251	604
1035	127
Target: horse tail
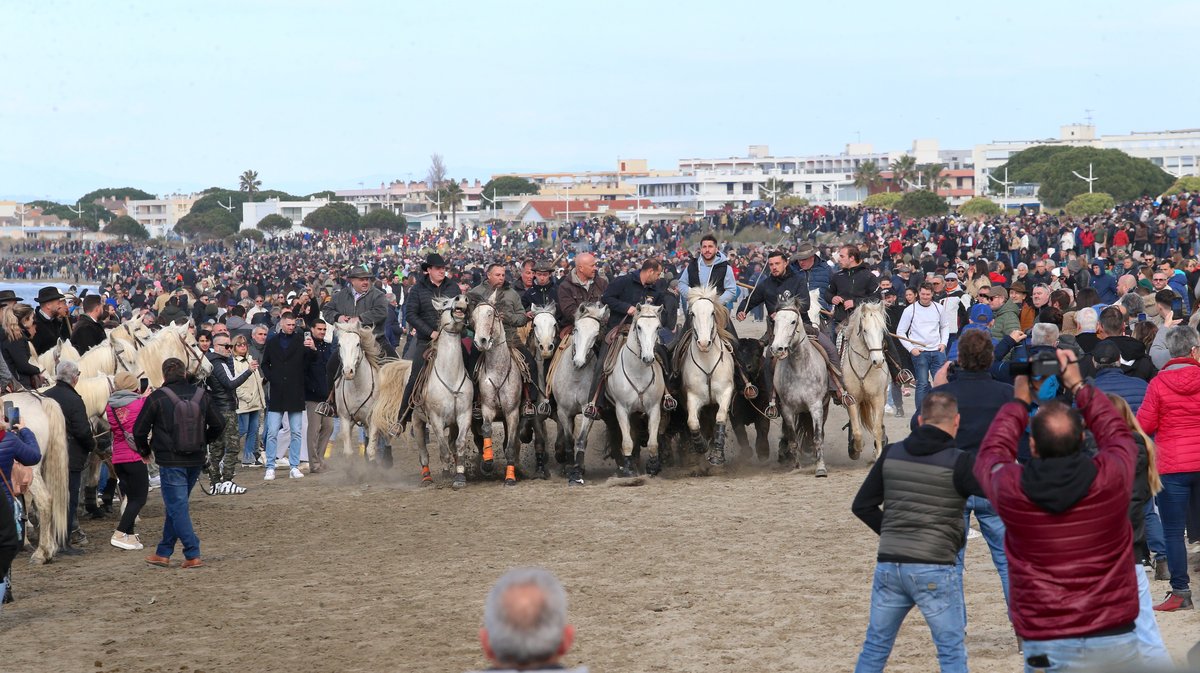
389	395
54	473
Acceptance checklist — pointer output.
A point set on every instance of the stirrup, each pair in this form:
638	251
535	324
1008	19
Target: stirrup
669	402
772	411
477	412
543	408
527	410
591	411
848	400
904	377
750	391
326	409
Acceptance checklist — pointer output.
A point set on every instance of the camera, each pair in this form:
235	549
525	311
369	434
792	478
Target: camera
1039	366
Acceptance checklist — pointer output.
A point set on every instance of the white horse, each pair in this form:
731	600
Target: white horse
172	341
132	331
367	391
448	395
500	383
108	358
707	370
801	381
48	361
542	342
572	382
865	373
636	385
49	492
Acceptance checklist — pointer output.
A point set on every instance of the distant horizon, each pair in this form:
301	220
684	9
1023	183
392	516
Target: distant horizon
315	96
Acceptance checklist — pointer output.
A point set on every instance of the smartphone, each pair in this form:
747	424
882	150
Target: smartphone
15	418
1141	317
8	411
143	385
308	335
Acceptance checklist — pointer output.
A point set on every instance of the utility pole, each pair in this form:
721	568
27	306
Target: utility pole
226	207
1005	183
491	201
22	212
1089	179
78	210
772	192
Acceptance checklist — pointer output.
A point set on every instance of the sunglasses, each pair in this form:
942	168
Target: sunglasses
985	296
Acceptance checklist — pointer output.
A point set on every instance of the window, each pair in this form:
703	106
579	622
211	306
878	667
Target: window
728	187
747	187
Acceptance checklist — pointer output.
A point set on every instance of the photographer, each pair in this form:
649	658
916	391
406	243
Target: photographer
1068	536
17	444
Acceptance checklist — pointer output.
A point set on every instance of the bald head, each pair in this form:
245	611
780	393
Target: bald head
1056	431
585	266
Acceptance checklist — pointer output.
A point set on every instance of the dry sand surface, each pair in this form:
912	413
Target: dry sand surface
751	569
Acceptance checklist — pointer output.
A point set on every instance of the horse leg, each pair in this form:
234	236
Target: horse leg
877	429
460	448
855	447
742	437
539	445
486	455
653	423
818	435
423	452
625	467
762	443
347	427
717	457
693	423
787	441
512	443
575	471
47	545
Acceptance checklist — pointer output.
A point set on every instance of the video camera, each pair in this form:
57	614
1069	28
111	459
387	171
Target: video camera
1040	365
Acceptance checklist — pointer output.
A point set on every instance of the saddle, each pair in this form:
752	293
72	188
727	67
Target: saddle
563	346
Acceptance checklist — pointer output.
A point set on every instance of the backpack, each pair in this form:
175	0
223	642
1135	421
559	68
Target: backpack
189	421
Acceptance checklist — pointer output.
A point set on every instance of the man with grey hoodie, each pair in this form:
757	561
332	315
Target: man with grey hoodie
710	268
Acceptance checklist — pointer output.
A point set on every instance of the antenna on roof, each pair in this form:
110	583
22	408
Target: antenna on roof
1088	112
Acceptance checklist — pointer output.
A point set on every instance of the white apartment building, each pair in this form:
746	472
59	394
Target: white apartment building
160	215
254	211
1176	152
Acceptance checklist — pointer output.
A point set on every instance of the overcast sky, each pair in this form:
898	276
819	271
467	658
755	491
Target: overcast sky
171	96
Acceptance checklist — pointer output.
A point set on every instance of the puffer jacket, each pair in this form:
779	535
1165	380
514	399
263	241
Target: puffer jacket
1006	319
20	446
1113	380
1068	537
250	395
421	314
222	383
856	283
1169	414
122	412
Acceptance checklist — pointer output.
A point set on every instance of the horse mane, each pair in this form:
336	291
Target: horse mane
157	350
370	347
95	391
855	321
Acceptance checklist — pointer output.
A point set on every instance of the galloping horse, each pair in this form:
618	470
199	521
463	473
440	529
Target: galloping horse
49	491
866	376
572	380
448	395
707	368
499	380
801	381
542	342
635	385
357	387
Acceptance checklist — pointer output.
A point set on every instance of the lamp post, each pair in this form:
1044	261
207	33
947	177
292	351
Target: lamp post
1089	179
491	201
1005	183
772	192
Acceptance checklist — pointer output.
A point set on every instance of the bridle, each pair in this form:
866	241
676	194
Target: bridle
795	326
534	344
190	353
636	333
712	330
370	395
575	342
862	336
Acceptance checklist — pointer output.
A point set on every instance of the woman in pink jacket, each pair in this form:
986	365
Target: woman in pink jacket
123	408
1171	413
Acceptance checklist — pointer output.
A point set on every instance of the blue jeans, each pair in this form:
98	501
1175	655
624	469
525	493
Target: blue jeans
177	483
925	365
1177	488
992	528
1154	533
1082	654
937	591
248	430
1150	642
295	420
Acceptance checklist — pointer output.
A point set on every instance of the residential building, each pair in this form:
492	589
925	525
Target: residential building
409	198
590	185
539	211
254	211
160	215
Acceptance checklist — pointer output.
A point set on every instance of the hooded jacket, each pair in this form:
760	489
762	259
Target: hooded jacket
710	274
1006	319
122	412
1067	532
1169	413
154	429
1103	283
573	293
1134	360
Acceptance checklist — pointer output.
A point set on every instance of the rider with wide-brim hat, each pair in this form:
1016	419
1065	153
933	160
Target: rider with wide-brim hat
423	319
50	319
362	300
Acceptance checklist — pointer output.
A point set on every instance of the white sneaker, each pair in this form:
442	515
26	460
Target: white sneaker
155	482
889	409
230	488
281	462
130	542
269	474
296	473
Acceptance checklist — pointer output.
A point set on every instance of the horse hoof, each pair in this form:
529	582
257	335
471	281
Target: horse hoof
855	453
625	469
487	467
510	482
460	481
822	472
575	478
717	459
653	466
540	472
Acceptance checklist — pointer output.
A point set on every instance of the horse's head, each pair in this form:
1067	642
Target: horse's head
189	351
787	324
749	352
483	320
350	349
646	322
873	328
589	320
545	329
702	307
126	356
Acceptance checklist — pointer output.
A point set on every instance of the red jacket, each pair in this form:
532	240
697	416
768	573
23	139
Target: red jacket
1171	413
1070	571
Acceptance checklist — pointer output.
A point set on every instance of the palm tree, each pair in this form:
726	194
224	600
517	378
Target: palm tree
904	170
867	176
931	177
774	189
452	195
250	183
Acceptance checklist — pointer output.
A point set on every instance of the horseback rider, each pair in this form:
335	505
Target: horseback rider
850	287
512	314
360	299
423	319
581	286
622	298
808	265
543	291
711	268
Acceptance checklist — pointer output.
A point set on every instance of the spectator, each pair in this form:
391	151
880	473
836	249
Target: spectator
17	445
251	400
1110	379
1086	320
19	327
80	443
285	360
1006	314
258	342
321	371
924	323
525	622
51	320
222	384
1134	360
180	459
88	331
124	405
1169	413
1067	532
913	498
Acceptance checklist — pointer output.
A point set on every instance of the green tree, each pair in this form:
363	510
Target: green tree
249	233
89	219
509	185
208	224
1053	168
126	227
904	171
980	206
774	189
1087	205
274	224
931	178
327	194
884	200
249	183
792	201
921	203
337	216
868	176
1188	183
119	193
452	197
383	220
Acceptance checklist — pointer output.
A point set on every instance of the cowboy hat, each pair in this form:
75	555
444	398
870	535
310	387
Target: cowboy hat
432	260
49	294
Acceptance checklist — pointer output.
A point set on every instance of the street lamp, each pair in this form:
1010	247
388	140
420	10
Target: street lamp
1089	179
1005	183
772	192
491	201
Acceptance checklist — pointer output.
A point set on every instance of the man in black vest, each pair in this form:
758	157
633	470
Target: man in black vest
88	332
913	498
711	268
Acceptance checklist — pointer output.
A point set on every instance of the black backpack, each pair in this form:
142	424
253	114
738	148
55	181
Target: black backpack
189	421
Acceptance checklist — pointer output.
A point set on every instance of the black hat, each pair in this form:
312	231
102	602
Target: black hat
803	252
9	295
1106	354
358	271
543	266
433	259
48	294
